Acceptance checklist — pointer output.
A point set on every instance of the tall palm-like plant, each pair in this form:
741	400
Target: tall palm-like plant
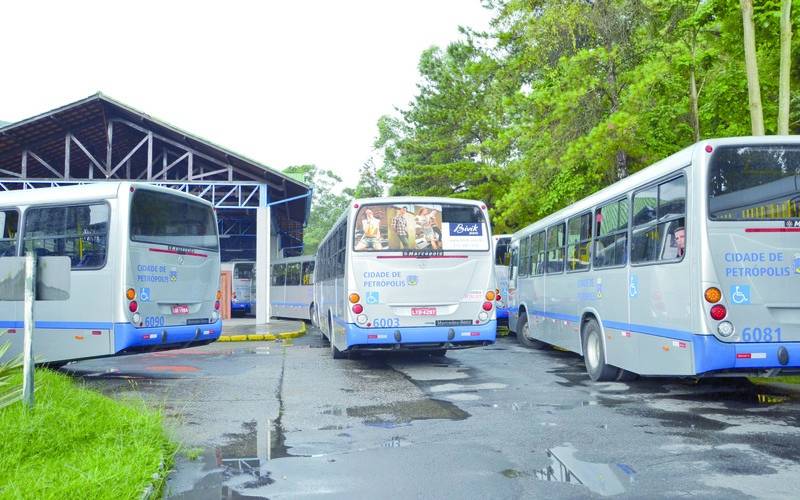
9	393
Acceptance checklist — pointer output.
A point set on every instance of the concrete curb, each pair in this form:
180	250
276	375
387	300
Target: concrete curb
264	336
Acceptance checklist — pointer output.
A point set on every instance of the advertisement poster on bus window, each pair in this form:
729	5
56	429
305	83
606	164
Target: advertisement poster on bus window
429	227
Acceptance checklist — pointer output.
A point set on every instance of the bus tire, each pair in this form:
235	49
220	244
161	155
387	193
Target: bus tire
335	352
312	311
523	331
594	355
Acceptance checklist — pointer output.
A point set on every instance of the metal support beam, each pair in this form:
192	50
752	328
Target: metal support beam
263	255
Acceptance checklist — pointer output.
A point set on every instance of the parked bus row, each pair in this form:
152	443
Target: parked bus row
141	257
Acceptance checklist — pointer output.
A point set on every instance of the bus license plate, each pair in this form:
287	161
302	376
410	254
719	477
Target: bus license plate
423	311
180	309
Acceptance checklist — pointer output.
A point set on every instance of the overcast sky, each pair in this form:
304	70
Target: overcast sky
282	82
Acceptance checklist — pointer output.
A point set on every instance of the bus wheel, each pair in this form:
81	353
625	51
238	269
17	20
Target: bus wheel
311	315
594	355
335	353
524	332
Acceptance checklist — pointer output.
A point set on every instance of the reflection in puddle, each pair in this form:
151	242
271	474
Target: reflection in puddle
603	479
404	412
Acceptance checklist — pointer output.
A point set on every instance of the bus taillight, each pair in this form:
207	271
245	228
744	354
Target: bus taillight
713	295
487	306
219	294
354	297
130	294
358	308
133	306
216	305
490	295
719	312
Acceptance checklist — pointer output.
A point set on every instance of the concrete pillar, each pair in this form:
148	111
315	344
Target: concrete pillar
263	238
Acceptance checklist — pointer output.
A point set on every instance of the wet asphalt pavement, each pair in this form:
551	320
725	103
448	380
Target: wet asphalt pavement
284	420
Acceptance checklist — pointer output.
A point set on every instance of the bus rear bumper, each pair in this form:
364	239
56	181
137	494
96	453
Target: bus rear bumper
421	337
712	355
128	338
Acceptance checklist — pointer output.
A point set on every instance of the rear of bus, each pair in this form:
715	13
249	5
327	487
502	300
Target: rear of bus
502	259
244	288
751	269
171	291
420	275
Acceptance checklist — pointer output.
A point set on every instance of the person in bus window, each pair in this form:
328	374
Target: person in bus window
372	232
400	227
680	241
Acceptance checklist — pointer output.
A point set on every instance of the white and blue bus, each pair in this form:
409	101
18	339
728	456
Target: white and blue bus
145	269
243	286
292	287
690	267
502	258
407	273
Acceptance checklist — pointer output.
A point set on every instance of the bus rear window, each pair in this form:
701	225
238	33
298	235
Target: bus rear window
172	220
754	183
409	226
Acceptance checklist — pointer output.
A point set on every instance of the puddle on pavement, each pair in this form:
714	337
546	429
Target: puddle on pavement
602	479
405	412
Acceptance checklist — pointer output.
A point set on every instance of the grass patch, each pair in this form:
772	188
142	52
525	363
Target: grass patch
77	443
786	379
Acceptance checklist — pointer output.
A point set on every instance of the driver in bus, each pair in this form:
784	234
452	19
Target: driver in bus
680	240
372	232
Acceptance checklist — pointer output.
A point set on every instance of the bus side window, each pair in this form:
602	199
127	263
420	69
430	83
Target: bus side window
513	267
9	221
659	216
611	234
278	274
308	273
79	232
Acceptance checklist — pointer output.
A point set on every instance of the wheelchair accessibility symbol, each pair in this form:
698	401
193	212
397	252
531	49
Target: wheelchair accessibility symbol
740	294
373	297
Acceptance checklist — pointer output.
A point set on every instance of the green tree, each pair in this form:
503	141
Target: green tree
326	204
369	183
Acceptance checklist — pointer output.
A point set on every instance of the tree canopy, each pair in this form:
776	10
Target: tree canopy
561	98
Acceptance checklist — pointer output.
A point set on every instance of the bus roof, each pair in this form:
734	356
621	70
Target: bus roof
674	162
424	200
81	192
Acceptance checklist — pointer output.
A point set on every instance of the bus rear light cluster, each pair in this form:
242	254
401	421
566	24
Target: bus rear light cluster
358	308
487	306
718	312
216	305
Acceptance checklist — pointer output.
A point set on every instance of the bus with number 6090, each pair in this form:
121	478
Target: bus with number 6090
144	269
689	267
407	273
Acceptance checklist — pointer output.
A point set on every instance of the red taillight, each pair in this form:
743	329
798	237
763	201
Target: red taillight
487	306
358	308
234	295
133	306
718	312
499	297
709	148
216	305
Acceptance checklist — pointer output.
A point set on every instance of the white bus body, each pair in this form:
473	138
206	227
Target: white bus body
407	273
243	286
292	292
145	269
689	267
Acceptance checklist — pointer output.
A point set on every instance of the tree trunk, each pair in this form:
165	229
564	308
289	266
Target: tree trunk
751	65
786	49
695	115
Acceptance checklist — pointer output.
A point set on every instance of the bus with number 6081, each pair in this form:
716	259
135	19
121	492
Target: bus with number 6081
144	269
407	273
690	267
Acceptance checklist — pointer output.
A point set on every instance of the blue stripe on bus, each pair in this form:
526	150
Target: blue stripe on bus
127	335
291	304
59	325
421	334
710	353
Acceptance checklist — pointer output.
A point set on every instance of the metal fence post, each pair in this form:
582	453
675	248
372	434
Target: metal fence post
30	298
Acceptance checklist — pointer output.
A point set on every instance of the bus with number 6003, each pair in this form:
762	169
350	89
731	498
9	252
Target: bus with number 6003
689	267
144	269
407	273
